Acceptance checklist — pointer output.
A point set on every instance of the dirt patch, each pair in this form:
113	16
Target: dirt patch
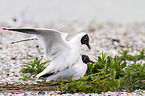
28	87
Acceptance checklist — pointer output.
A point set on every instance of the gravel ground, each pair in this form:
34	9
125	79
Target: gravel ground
108	37
55	93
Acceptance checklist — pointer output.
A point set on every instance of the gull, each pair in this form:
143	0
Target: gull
76	71
61	53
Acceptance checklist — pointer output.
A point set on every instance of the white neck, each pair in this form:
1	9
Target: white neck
75	43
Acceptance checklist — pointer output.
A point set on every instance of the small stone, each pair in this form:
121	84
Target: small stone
41	92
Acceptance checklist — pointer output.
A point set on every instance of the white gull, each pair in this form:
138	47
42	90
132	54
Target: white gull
76	71
62	53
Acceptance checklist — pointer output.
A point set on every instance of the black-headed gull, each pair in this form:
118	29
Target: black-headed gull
62	53
76	71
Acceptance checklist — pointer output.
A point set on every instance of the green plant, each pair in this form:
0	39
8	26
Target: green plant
107	74
32	68
110	74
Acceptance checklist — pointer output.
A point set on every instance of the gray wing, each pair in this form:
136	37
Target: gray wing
52	41
69	72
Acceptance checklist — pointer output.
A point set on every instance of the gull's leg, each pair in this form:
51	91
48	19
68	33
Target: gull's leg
24	40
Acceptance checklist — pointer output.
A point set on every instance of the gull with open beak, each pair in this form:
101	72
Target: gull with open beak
62	53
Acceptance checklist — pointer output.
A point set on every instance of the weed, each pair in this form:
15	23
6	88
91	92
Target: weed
32	68
107	74
113	74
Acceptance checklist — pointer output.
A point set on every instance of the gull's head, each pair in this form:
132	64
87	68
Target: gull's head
81	39
86	59
85	40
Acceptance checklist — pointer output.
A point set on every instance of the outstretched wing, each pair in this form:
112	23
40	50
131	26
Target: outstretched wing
52	41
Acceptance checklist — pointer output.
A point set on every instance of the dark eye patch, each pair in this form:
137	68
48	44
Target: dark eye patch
85	39
86	59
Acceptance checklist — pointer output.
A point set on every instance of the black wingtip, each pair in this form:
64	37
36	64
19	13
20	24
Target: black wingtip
47	75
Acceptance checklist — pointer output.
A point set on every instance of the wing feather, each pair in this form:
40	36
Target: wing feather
52	41
69	72
62	53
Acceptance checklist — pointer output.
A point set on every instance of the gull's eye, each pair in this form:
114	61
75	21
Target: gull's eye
85	58
85	39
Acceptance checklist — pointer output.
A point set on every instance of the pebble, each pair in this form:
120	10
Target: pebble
108	38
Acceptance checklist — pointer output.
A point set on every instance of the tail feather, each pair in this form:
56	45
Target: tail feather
47	75
53	77
48	69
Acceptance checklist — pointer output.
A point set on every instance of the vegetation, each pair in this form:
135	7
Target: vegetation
32	68
119	73
110	74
